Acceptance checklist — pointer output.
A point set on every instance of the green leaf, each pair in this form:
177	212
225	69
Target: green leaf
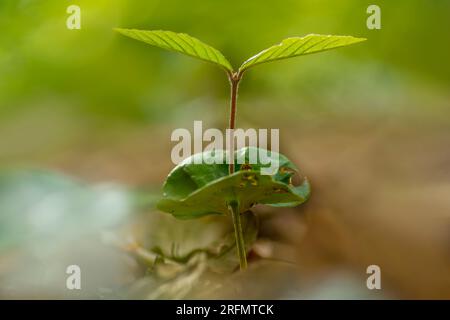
194	190
298	46
179	42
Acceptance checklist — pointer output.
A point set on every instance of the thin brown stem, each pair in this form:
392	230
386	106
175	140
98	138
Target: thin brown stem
233	207
234	81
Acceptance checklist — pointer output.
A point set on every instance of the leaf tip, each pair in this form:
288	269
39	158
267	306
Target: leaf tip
359	39
121	30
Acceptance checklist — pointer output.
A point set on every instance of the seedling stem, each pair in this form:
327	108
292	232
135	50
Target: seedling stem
233	206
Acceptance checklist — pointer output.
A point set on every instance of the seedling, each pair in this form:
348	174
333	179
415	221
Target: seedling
193	190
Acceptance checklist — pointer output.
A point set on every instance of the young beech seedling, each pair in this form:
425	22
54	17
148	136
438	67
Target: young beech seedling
193	190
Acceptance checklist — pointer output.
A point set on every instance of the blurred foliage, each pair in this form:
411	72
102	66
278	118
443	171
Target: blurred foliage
48	219
104	79
40	208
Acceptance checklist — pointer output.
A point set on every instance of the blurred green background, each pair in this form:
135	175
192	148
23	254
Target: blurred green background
368	124
59	87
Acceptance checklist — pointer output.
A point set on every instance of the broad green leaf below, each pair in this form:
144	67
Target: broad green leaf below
194	190
297	46
179	42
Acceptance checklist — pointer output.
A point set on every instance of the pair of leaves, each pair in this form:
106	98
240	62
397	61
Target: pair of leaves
290	47
196	189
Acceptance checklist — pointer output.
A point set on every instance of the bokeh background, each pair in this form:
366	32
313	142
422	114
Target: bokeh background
86	115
